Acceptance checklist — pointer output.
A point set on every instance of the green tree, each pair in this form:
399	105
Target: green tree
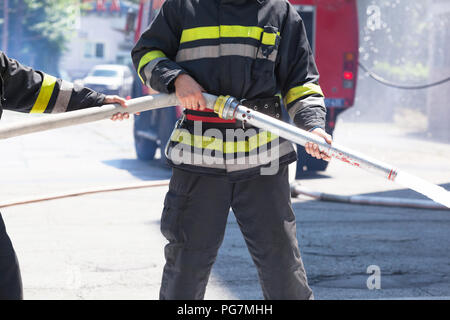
40	29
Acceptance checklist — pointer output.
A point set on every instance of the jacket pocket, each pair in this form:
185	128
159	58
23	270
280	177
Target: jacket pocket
266	55
172	215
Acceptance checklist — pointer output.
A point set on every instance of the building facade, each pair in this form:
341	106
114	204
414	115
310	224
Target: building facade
100	37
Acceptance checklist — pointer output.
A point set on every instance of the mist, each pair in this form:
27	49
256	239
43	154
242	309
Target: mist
405	42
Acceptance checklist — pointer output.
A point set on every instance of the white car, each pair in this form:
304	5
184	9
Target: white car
111	79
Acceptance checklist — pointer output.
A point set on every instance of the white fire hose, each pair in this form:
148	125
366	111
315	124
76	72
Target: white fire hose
298	190
229	108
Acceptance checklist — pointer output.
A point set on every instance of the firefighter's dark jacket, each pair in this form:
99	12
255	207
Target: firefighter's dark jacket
244	48
26	90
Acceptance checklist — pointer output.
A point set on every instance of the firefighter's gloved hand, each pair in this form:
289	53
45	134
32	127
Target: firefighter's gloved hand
122	102
189	93
313	149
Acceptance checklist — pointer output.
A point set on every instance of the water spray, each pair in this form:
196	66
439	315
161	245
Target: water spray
229	108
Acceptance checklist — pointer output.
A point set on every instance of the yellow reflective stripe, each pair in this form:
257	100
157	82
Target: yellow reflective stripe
216	32
202	142
301	91
41	103
199	33
269	38
213	143
240	32
251	144
149	56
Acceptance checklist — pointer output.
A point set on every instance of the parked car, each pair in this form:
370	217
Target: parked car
113	79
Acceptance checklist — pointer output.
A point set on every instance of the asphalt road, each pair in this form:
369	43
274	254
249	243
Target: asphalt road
108	246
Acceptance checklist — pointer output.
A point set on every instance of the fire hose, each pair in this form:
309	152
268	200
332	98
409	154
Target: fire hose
229	108
299	190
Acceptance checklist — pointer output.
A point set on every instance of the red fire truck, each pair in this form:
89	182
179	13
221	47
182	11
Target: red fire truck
332	28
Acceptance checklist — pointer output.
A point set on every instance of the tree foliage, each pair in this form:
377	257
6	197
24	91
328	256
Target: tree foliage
40	29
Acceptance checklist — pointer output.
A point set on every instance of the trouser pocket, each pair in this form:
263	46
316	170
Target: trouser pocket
172	215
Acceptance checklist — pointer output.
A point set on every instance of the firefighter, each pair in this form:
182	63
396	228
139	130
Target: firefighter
25	90
255	51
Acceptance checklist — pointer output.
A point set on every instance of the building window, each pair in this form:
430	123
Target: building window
99	50
94	50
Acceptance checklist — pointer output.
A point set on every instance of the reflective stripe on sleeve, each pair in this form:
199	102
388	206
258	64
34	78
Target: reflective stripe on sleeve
41	103
301	91
302	104
148	57
63	99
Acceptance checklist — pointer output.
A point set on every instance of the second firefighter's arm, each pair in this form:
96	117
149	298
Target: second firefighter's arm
155	52
298	76
30	91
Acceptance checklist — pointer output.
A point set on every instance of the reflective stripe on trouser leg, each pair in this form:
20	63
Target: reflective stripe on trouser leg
262	207
193	220
10	279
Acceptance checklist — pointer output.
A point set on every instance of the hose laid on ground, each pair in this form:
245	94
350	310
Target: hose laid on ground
297	190
84	192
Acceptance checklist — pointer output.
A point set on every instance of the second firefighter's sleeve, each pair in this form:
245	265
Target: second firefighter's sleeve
31	91
155	52
298	76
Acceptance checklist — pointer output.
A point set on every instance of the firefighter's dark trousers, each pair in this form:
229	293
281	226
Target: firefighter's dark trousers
10	279
194	219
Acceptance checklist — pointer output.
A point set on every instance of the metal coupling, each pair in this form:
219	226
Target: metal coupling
226	106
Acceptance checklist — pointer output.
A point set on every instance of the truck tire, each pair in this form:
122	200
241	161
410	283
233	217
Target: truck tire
167	120
307	163
145	148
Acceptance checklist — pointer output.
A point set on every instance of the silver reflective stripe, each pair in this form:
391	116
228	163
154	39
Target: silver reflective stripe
305	103
179	156
204	52
243	50
148	69
198	53
254	161
63	99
